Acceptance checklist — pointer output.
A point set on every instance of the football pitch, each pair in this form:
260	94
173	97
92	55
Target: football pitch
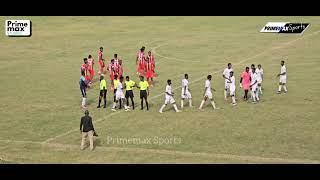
40	97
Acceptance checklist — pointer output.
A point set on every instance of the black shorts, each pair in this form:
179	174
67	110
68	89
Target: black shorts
143	94
129	93
103	92
83	92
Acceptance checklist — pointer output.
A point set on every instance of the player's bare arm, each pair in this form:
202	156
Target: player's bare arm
253	83
281	74
205	90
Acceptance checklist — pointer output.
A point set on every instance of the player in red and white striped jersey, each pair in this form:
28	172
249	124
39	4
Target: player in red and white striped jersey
111	69
85	69
151	59
150	73
90	66
101	62
141	62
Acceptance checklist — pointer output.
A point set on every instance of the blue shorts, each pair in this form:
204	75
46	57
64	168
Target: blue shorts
83	92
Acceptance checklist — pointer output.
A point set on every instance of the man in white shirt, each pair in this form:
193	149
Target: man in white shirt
232	83
185	92
225	75
250	71
254	86
119	96
169	98
283	78
259	71
207	93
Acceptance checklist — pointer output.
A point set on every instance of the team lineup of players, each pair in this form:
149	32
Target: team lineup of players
251	80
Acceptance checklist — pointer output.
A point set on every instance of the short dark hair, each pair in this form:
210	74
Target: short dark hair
252	65
229	64
247	67
115	55
89	56
185	75
101	47
116	76
86	112
121	77
127	77
282	61
169	80
209	77
85	59
101	77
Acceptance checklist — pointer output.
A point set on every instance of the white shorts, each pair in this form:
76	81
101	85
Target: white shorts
169	99
119	95
227	86
187	96
232	90
208	94
254	87
283	79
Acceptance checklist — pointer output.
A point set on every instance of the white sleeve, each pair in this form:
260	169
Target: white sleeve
206	84
167	88
224	72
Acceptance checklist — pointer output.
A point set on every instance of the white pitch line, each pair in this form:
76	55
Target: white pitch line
174	153
242	61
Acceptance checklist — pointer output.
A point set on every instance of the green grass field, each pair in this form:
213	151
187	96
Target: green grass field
40	98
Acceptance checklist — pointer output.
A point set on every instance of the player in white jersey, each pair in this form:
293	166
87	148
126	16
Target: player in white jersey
169	98
185	91
225	75
283	78
250	71
119	96
254	86
259	71
207	93
232	83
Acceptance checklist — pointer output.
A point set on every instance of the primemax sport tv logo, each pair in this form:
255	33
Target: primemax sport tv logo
284	27
18	28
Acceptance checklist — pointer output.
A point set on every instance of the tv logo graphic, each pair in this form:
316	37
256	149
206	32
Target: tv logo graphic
18	28
284	27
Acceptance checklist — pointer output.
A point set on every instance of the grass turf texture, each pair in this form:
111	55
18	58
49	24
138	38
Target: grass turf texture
41	98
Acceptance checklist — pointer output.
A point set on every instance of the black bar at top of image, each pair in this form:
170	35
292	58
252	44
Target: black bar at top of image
160	8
